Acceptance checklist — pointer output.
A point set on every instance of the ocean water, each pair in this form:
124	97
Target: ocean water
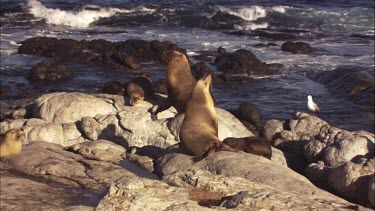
341	33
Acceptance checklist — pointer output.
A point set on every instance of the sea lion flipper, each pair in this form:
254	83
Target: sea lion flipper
166	104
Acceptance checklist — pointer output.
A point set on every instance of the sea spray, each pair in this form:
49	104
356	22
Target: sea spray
79	19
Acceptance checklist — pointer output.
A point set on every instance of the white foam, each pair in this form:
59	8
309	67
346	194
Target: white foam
280	9
79	19
251	26
248	13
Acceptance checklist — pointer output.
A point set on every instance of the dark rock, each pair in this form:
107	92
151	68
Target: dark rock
114	88
49	73
296	47
206	56
200	69
275	65
355	83
242	62
263	34
160	86
124	55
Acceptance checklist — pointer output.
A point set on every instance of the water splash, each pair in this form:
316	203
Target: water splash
80	19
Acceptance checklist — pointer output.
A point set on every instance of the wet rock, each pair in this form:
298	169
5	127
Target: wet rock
296	47
42	72
66	107
355	83
121	56
242	62
50	161
114	88
101	150
200	69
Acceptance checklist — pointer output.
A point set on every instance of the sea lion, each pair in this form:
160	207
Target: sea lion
11	142
179	81
253	145
114	88
199	130
140	88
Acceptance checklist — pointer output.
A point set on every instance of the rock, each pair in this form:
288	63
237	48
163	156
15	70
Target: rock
229	126
320	150
200	69
90	128
146	194
101	150
49	73
296	47
347	145
249	112
160	86
34	194
64	107
272	129
143	162
352	186
242	62
355	83
114	88
119	56
254	169
50	161
206	56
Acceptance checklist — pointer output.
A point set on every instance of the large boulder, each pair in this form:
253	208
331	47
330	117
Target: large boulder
51	161
241	62
69	107
355	83
320	150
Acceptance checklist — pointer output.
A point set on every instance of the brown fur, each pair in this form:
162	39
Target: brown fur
11	142
180	81
140	88
199	130
253	145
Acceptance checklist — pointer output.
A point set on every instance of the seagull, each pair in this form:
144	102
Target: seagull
311	105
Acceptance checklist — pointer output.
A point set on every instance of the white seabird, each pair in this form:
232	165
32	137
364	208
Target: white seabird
311	105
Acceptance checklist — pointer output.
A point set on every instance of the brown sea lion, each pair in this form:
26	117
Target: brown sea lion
253	145
11	142
113	88
199	130
179	81
140	88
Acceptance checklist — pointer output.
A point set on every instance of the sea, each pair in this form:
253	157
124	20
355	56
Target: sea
341	33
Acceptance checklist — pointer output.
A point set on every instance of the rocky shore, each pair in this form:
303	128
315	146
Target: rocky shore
78	146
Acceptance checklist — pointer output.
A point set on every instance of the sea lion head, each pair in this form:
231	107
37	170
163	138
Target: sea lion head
136	98
15	134
171	56
205	83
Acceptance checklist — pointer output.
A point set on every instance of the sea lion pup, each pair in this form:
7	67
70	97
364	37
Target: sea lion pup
11	142
253	145
179	82
199	130
113	88
140	88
